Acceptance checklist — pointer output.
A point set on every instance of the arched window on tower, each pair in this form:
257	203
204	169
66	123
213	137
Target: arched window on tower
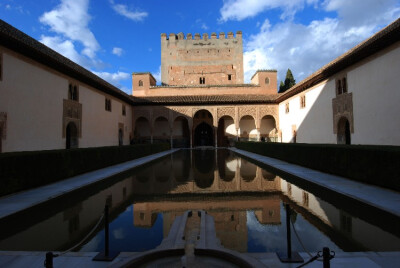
266	80
140	83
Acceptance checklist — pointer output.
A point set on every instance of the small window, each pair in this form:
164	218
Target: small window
123	110
73	93
341	85
140	83
229	77
108	105
267	80
344	85
303	101
287	107
202	80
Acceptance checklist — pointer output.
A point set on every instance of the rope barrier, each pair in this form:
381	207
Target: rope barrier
49	255
326	254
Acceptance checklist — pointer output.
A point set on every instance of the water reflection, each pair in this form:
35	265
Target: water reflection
199	171
245	200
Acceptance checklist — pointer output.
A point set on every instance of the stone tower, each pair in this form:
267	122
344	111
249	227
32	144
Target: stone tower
197	60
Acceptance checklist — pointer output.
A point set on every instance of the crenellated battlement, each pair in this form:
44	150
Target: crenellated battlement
197	36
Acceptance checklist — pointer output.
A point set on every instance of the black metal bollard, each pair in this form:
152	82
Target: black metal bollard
326	257
289	256
106	255
48	263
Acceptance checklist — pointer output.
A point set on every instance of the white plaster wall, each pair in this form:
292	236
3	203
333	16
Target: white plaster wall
32	96
313	122
33	101
376	98
100	127
374	86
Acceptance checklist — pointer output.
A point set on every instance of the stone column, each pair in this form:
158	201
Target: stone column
216	137
258	134
171	140
237	134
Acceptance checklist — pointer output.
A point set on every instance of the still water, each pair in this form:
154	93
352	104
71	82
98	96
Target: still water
246	201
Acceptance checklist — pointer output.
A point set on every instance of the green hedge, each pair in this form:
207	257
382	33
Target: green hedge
24	170
378	165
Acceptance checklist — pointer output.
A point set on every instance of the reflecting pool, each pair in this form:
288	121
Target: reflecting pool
246	201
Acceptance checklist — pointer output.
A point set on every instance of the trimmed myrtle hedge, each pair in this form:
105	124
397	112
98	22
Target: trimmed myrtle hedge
373	164
24	170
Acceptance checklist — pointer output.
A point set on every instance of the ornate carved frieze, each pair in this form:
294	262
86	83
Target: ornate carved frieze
271	110
141	113
248	110
342	106
180	111
3	125
161	112
72	112
223	111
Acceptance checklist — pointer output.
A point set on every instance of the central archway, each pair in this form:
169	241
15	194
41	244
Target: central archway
203	128
203	135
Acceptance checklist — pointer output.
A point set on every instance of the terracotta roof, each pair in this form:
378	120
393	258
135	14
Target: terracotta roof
22	43
384	38
205	99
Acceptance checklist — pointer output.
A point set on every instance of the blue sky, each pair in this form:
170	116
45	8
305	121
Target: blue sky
114	38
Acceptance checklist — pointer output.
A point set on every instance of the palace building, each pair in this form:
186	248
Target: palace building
50	102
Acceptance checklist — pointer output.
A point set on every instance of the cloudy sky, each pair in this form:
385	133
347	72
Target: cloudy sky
114	38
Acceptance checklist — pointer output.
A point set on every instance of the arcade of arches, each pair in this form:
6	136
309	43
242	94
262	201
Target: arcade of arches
217	126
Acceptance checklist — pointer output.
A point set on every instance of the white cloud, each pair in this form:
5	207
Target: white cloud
71	20
304	48
117	51
204	26
157	75
242	9
124	11
113	78
64	47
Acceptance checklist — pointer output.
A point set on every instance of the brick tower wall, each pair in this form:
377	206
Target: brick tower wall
202	60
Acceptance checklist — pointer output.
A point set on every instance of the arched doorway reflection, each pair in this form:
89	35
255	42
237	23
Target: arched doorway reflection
247	170
225	172
71	135
203	168
343	134
181	165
